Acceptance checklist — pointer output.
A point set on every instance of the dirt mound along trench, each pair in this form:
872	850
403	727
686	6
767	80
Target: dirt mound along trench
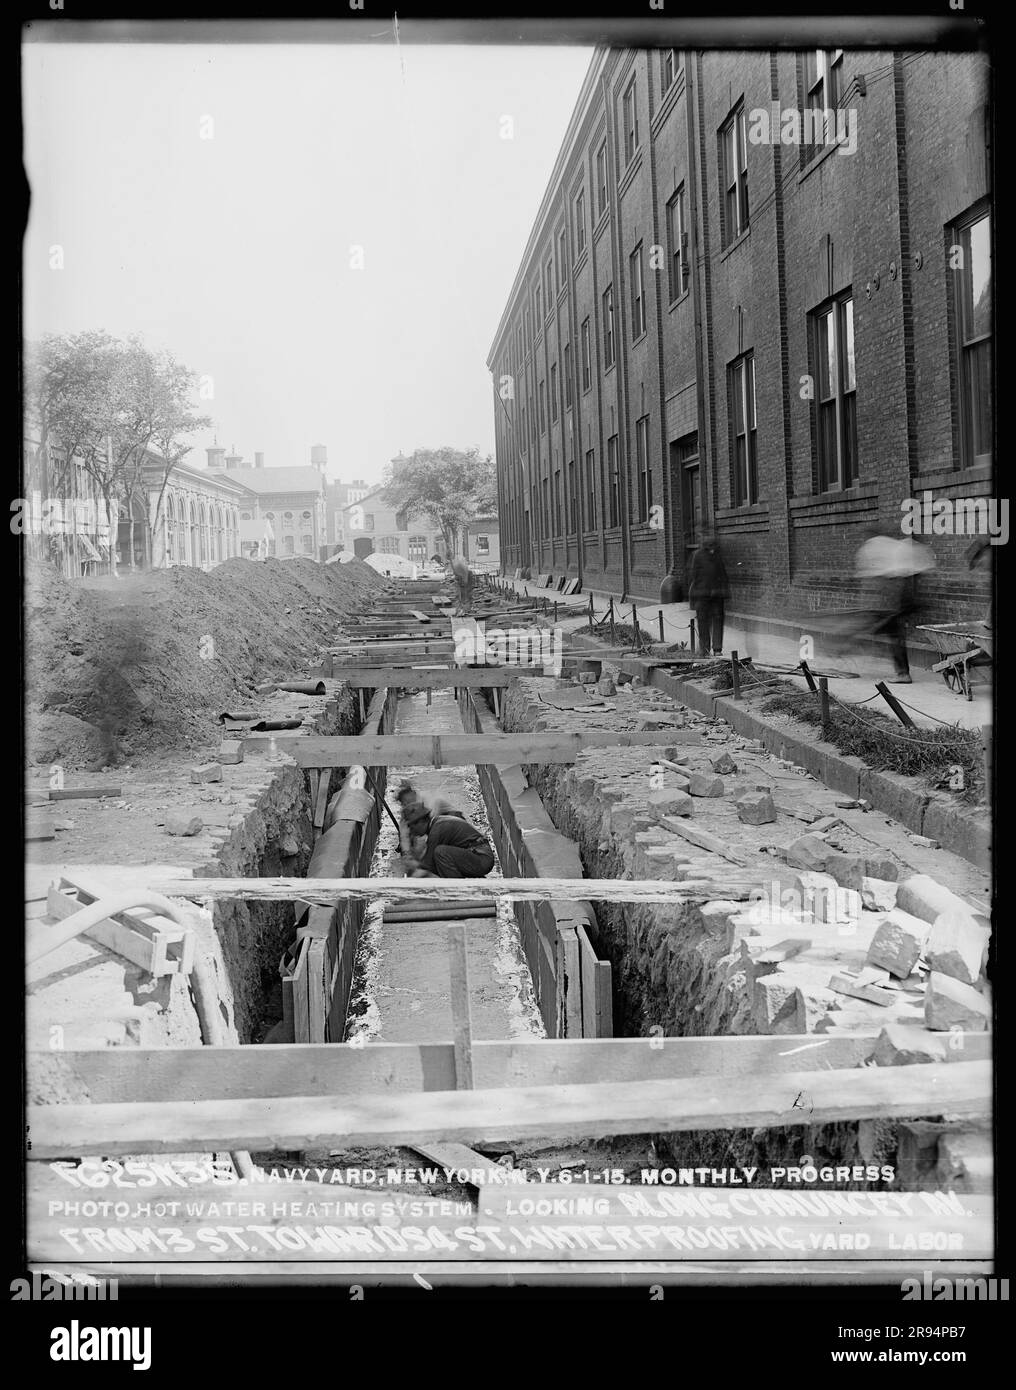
131	665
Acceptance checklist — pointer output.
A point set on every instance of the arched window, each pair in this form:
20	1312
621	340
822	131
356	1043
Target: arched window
288	545
306	516
287	518
245	516
308	544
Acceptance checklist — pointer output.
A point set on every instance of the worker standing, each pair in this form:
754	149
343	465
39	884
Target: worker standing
708	591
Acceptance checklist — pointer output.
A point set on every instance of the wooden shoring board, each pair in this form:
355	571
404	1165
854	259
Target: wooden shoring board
318	980
142	936
581	1110
297	979
464	750
597	1004
290	1069
568	980
328	890
430	678
320	801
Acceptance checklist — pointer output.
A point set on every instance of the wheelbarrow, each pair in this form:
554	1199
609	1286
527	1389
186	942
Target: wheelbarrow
962	645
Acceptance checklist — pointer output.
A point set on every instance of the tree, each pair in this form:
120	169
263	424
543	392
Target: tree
451	487
69	385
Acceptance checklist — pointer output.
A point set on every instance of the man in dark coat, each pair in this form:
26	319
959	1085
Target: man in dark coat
455	849
708	591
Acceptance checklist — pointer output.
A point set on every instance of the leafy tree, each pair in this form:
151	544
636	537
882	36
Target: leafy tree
451	487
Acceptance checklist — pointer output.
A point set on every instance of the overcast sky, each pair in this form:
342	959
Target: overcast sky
233	252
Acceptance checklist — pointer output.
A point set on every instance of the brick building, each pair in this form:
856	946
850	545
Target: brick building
291	499
724	315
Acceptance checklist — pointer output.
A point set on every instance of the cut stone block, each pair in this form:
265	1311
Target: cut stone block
777	1006
966	1162
605	686
183	823
900	1045
669	801
881	868
949	1003
808	852
956	947
897	944
927	899
857	987
823	897
824	823
756	808
878	895
206	772
723	764
702	784
230	751
848	870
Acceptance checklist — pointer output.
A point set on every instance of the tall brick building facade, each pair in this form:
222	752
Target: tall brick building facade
724	316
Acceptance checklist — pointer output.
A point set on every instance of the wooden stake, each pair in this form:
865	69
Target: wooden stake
806	669
823	696
894	705
462	1032
735	676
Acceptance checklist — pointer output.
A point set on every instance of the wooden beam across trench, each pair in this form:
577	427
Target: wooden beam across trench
583	1110
465	750
132	1074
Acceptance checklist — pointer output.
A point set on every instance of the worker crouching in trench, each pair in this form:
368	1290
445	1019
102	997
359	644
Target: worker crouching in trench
453	849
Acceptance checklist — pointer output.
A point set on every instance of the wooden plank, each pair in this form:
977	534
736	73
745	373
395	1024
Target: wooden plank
428	678
155	943
238	1073
464	750
462	1028
73	793
596	989
321	800
569	980
704	840
298	981
582	1111
326	891
318	982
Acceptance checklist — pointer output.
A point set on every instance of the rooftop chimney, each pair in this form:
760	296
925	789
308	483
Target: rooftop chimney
234	460
215	456
259	460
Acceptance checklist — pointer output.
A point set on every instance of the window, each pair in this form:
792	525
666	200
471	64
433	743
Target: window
401	521
573	502
287	518
368	521
538	306
269	516
546	507
608	327
835	394
638	298
418	550
677	243
483	545
524	445
244	516
631	124
601	180
614	481
305	516
822	71
529	326
587	370
553	391
671	64
388	545
543	409
548	280
741	407
288	545
591	489
645	472
580	223
567	377
308	544
562	258
734	175
971	269
558	512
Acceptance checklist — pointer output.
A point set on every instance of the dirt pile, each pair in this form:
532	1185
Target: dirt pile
119	667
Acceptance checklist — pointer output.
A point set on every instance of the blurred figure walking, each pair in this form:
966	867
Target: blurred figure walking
708	590
887	565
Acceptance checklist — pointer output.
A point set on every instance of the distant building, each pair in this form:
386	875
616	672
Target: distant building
257	539
372	525
337	497
481	544
292	499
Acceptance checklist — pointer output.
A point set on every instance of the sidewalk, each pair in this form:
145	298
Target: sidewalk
928	701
